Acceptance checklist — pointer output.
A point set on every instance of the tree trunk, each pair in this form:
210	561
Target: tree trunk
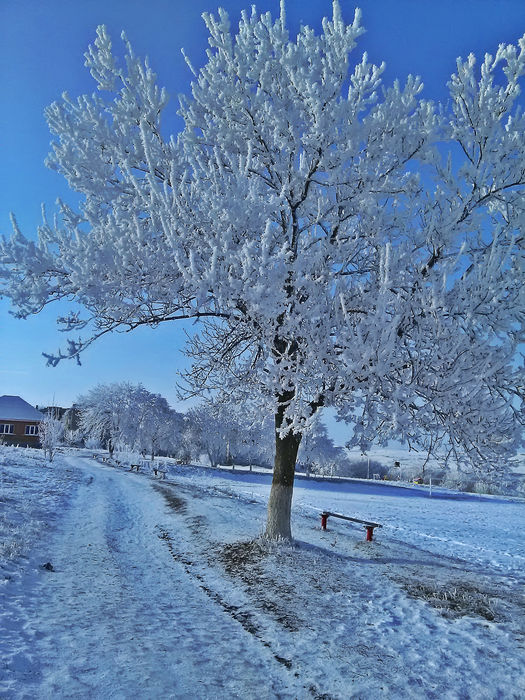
280	503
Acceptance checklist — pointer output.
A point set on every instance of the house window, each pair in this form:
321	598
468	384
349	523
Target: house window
7	428
31	429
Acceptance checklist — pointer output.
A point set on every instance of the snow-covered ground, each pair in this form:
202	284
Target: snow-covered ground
157	589
445	522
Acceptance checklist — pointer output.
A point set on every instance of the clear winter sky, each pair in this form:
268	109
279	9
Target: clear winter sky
42	43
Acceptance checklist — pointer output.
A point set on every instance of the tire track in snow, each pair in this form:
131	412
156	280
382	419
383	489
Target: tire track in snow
243	617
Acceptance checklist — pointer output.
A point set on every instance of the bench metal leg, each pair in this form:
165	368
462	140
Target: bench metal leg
369	533
324	519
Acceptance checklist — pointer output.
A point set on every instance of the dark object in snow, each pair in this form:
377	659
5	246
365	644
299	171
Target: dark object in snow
134	466
48	566
369	527
158	472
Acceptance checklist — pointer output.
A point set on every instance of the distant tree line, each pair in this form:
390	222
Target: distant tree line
127	417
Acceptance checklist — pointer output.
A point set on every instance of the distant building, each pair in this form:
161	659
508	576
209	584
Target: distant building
57	412
19	422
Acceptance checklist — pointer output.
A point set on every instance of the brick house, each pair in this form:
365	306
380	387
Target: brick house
19	422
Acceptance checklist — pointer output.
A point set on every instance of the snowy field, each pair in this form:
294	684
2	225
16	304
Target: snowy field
481	529
157	589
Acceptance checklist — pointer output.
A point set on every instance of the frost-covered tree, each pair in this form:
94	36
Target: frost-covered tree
214	431
256	441
318	453
188	446
158	427
129	416
229	433
342	243
51	432
103	413
72	433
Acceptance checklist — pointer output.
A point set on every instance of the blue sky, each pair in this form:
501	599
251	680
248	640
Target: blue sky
41	55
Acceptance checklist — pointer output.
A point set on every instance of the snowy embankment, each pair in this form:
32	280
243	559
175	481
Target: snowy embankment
158	590
33	495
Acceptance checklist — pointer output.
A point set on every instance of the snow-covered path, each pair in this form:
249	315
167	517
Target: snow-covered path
120	618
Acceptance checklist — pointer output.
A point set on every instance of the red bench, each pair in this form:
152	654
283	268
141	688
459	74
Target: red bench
369	527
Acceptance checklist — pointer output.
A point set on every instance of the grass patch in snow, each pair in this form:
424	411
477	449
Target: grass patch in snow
248	561
236	556
455	599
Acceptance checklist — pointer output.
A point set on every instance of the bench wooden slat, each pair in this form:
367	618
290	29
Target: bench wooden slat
347	517
369	527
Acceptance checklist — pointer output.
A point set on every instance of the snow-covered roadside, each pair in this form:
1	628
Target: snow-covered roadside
158	592
33	494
